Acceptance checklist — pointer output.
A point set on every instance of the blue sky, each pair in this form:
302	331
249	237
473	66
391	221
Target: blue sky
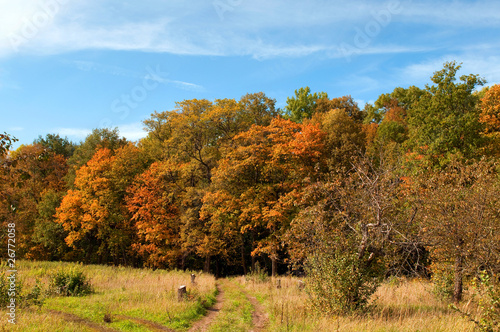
70	66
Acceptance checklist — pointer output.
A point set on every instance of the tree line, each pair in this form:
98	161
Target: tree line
407	185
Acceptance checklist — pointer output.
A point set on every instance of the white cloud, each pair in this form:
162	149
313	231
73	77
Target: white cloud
262	29
487	65
347	51
75	133
458	13
133	131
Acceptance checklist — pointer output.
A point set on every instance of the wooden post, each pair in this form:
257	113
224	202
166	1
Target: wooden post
278	283
193	276
181	293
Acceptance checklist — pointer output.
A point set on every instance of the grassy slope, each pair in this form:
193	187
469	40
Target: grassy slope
152	295
135	293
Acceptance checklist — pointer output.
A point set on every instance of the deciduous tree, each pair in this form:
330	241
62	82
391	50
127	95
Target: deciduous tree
257	182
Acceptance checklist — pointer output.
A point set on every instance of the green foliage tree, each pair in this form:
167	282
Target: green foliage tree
445	120
98	139
47	233
303	104
345	139
6	142
56	144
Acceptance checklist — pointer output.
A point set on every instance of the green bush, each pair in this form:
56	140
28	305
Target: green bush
443	280
35	296
70	283
488	289
340	283
257	274
5	290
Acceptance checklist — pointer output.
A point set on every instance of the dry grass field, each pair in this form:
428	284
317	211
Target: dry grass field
401	305
127	299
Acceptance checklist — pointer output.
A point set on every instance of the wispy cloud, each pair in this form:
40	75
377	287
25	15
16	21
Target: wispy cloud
487	65
194	28
459	13
75	133
133	131
261	29
347	51
90	66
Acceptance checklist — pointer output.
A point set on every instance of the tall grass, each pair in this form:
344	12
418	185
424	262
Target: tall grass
398	305
124	295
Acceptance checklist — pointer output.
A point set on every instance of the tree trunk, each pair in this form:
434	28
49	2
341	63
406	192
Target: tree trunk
253	248
273	266
242	249
458	282
206	268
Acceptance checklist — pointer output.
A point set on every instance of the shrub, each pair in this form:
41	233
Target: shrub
340	283
488	288
257	274
70	283
443	280
5	285
35	296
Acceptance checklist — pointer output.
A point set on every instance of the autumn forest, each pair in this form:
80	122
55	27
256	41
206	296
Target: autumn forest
408	185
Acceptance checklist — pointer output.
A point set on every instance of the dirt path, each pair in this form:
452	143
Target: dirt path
212	312
259	316
97	327
149	324
76	319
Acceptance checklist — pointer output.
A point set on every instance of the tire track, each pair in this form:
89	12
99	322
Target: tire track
83	321
260	318
149	324
212	312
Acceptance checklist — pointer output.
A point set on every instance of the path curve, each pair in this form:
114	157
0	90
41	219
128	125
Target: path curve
151	325
212	312
77	319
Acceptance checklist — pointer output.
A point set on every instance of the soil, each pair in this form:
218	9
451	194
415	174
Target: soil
76	319
212	312
259	317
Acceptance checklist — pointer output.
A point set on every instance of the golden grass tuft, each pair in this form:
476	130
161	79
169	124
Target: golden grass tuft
399	305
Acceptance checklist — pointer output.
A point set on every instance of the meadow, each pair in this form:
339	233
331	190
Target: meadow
127	299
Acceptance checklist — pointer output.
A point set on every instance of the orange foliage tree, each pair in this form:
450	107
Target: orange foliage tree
30	172
94	213
257	182
154	203
490	118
